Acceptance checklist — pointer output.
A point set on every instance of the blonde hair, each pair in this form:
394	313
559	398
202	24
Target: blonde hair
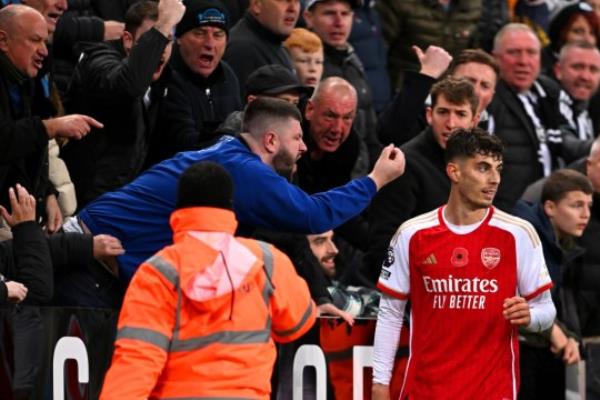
305	40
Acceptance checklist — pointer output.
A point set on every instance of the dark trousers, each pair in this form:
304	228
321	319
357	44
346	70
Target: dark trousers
592	371
93	287
542	374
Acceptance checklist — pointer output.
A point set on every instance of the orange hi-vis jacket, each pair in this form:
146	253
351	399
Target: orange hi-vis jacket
200	318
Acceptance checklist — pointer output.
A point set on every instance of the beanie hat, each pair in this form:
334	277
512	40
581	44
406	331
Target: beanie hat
274	79
562	17
203	13
354	4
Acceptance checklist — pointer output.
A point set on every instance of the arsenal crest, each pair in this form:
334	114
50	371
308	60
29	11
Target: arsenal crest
460	257
490	257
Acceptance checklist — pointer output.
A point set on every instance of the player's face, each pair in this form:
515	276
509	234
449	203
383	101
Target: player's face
518	56
478	179
278	16
445	117
570	215
483	78
579	72
325	250
291	148
331	21
202	49
331	118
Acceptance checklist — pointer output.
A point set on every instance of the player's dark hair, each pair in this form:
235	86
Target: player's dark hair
138	13
263	112
466	143
205	184
562	181
477	56
457	91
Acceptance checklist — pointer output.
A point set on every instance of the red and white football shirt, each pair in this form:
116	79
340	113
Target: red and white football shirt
461	346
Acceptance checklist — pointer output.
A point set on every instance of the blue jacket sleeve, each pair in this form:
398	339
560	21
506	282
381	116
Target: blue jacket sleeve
266	199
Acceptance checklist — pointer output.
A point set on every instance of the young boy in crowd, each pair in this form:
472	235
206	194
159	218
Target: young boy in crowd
559	218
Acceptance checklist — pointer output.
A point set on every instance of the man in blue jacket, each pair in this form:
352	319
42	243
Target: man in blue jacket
261	161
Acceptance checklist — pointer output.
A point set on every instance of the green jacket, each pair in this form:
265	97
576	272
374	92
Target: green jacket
424	23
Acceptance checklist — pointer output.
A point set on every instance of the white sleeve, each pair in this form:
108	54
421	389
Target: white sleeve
387	334
542	311
395	277
532	274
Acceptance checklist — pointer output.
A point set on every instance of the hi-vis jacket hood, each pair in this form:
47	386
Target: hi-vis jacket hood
224	263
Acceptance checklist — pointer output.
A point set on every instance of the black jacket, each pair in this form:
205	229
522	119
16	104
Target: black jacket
345	64
333	170
26	259
83	21
251	46
33	259
194	108
423	187
23	138
398	122
588	298
109	86
514	127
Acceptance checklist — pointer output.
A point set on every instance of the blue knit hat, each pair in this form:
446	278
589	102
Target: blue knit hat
203	13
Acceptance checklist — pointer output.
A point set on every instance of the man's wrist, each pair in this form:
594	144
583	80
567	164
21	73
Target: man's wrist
50	128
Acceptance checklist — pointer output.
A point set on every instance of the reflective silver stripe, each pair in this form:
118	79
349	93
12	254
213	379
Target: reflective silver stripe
145	335
268	263
299	325
224	337
165	268
177	317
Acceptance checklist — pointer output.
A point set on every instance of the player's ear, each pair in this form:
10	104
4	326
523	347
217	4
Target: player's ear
271	141
453	171
549	208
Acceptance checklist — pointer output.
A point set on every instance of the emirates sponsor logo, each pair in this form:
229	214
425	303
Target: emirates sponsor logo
459	285
490	257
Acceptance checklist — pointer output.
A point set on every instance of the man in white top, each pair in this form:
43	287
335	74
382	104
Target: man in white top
473	274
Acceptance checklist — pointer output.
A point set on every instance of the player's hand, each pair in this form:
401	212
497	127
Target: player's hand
571	352
53	214
380	392
22	205
329	308
73	126
16	291
107	246
170	12
516	310
389	166
558	339
434	61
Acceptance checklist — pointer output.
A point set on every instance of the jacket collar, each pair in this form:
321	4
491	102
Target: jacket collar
202	219
10	72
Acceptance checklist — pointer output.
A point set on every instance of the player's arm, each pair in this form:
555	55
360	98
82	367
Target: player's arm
542	312
394	282
387	334
535	315
533	309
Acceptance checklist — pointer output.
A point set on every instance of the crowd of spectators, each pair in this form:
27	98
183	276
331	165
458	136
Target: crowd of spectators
103	104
